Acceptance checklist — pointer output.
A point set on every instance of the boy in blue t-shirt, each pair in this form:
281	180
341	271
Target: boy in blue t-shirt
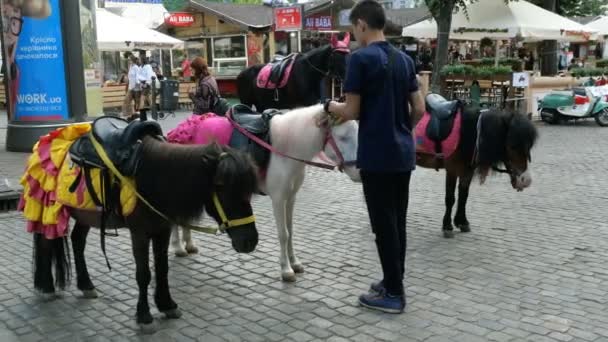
380	85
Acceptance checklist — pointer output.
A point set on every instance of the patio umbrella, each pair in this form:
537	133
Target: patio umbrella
115	33
496	20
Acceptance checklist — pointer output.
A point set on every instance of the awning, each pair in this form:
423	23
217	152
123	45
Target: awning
496	20
115	33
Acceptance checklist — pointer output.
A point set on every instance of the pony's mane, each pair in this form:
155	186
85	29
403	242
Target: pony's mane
316	51
179	179
309	111
500	129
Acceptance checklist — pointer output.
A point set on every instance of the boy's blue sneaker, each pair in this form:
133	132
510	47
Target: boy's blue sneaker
383	302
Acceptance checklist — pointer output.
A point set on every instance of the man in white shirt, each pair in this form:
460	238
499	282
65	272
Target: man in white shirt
145	78
133	88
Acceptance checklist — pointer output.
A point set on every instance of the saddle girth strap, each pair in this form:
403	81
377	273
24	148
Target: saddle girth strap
104	213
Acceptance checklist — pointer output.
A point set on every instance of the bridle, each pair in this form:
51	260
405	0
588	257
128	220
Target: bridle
227	223
335	50
329	139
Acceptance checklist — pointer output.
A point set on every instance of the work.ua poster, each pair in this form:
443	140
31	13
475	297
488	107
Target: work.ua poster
34	60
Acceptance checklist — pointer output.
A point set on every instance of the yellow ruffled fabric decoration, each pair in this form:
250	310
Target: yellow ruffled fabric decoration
47	179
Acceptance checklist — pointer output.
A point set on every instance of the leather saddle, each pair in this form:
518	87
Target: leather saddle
442	114
258	125
278	68
121	141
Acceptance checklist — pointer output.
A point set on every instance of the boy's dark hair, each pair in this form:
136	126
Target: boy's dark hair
371	12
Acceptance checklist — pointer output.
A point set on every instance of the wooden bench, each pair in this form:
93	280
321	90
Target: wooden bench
113	96
184	99
2	94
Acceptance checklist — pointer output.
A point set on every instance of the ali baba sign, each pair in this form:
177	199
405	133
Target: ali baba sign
318	23
179	19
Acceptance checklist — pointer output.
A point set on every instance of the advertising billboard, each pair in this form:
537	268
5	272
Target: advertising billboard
34	62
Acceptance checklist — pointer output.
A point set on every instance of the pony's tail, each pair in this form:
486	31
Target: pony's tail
46	254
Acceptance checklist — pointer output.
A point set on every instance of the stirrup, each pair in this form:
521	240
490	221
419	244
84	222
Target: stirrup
276	94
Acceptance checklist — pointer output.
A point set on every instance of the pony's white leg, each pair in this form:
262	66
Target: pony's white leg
278	181
291	201
279	208
187	237
178	248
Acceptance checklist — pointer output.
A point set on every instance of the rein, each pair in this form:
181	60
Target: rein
226	223
328	139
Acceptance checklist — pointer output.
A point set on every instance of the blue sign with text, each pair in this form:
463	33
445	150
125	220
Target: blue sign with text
39	72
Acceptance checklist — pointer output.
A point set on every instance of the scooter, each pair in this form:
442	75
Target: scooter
573	104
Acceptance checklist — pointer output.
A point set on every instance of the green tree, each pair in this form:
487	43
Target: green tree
174	5
577	8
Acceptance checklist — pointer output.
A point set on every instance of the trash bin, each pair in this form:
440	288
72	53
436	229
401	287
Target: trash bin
169	95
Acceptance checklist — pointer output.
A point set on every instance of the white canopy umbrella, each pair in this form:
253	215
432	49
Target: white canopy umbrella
115	33
496	20
600	25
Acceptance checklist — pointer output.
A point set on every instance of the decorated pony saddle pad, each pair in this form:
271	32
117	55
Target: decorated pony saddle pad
426	145
208	128
52	184
275	75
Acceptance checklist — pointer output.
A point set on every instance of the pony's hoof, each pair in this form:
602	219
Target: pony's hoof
90	294
181	253
148	329
465	228
173	313
448	234
192	249
298	268
289	277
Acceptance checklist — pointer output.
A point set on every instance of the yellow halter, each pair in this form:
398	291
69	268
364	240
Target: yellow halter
226	223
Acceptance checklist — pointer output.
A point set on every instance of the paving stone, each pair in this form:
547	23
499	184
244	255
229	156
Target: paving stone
533	267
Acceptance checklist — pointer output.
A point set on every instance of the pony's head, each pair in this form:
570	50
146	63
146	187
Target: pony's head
507	139
339	56
341	144
229	204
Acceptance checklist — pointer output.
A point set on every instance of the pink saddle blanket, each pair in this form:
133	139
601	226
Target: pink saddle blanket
427	146
264	82
205	129
192	131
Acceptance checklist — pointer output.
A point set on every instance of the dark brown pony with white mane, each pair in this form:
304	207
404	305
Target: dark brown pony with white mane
180	182
488	141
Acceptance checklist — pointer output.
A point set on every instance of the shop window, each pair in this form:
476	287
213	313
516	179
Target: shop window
229	55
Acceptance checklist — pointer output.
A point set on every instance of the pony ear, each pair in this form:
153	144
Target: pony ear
334	40
346	39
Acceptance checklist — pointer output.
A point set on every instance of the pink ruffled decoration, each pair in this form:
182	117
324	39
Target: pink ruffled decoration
52	231
44	152
202	129
46	198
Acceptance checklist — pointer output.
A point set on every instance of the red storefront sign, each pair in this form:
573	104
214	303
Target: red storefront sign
288	18
179	19
318	23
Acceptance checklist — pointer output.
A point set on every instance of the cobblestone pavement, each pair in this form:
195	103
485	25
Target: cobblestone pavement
533	268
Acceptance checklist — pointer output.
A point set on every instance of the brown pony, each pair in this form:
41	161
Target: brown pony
488	141
180	182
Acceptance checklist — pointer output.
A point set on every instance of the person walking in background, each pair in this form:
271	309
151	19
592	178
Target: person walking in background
186	69
133	88
380	83
145	78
